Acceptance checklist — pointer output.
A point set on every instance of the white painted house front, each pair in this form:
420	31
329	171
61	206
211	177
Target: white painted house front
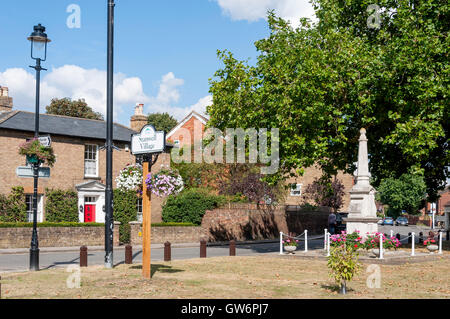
91	202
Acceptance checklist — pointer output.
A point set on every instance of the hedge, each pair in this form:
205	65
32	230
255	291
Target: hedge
61	206
173	225
125	211
13	207
189	206
47	224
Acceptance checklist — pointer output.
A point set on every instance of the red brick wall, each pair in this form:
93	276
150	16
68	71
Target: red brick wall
246	222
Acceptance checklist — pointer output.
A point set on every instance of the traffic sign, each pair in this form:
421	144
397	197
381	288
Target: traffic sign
45	141
148	141
27	171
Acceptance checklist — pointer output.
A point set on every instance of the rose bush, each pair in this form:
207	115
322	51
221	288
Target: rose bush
352	241
373	241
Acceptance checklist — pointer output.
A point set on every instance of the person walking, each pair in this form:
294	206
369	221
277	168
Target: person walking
332	223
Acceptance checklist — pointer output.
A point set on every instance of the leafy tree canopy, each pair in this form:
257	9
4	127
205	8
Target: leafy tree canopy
321	83
405	193
78	108
162	121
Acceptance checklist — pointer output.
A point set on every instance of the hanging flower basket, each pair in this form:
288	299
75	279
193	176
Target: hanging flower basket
36	153
166	182
33	159
130	178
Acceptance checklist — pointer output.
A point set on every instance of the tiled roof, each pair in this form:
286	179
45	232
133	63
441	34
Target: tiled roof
63	125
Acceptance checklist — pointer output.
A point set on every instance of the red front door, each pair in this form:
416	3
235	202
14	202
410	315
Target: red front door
89	213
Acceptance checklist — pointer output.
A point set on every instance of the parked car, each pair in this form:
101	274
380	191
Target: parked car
401	221
388	221
380	222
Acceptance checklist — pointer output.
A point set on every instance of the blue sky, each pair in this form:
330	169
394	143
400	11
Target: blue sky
165	51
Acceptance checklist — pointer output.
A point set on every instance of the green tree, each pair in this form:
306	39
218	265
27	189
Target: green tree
404	193
319	84
162	121
67	107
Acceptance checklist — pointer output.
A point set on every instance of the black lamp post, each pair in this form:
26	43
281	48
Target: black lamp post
109	221
39	42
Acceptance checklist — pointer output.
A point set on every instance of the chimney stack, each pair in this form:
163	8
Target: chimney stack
6	102
138	120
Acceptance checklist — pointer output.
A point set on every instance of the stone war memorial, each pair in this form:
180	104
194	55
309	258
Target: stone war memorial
362	209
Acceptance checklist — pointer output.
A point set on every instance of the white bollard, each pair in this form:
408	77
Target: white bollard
325	239
392	233
306	241
328	244
440	242
281	243
381	246
413	241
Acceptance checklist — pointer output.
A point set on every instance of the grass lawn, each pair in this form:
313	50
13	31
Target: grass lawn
231	277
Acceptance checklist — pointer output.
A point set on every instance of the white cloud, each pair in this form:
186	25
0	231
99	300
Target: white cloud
74	82
90	84
169	94
253	10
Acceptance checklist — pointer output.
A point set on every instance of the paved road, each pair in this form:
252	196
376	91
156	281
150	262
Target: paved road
20	262
47	260
404	230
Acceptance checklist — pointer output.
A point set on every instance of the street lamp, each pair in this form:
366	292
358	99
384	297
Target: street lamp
109	196
39	40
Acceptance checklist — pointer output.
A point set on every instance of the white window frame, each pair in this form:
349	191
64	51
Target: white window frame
40	206
139	210
298	188
96	160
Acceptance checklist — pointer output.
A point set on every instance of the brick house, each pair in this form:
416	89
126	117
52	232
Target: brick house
80	161
195	124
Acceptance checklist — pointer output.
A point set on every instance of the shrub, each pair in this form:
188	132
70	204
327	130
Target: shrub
351	241
190	206
13	207
343	264
373	241
324	192
47	224
61	206
125	211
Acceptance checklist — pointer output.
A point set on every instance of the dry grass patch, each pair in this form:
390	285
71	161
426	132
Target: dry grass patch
231	277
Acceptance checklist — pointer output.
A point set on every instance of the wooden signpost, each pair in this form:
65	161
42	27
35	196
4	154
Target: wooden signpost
150	144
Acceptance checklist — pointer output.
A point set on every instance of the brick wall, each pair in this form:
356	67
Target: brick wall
56	236
247	222
311	173
160	235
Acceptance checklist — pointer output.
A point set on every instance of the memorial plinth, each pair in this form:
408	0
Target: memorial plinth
362	209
